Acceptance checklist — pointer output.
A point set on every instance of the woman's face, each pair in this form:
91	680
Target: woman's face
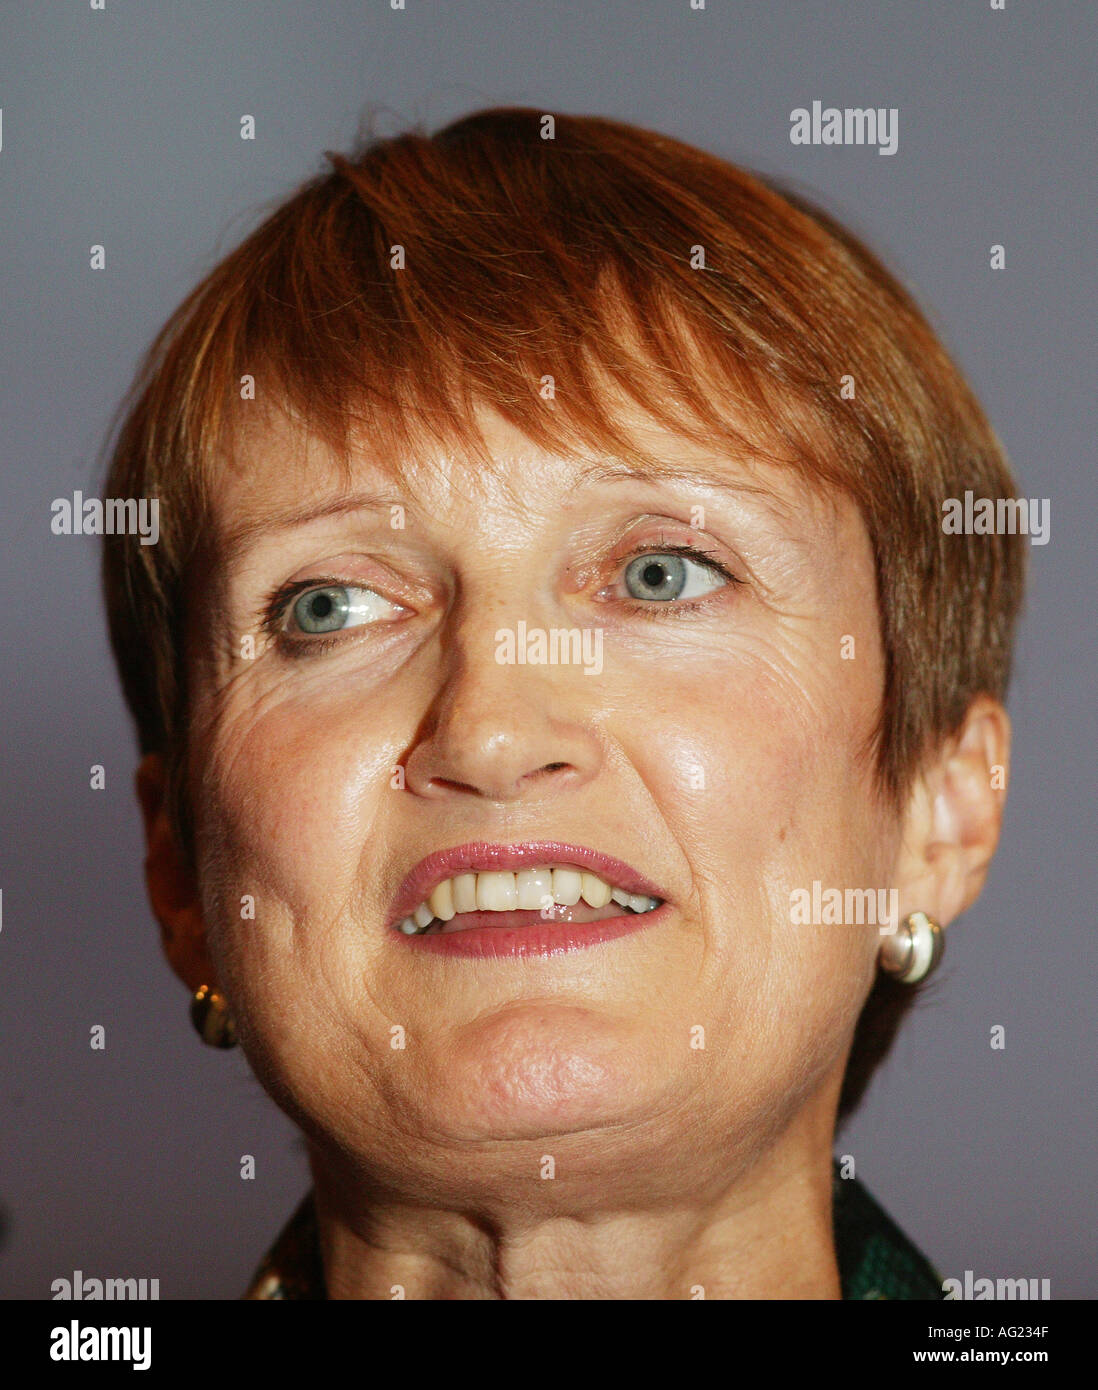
711	734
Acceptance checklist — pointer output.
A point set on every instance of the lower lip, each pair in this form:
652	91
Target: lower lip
543	939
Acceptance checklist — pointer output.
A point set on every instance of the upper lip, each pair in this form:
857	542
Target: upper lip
481	856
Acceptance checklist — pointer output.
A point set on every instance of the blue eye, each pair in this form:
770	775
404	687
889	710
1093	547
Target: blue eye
333	607
322	610
664	577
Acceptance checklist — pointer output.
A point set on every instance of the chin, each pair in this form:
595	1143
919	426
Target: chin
543	1069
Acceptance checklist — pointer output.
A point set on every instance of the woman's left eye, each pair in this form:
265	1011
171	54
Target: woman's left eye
663	577
333	607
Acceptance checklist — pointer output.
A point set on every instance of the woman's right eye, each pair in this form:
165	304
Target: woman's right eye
333	607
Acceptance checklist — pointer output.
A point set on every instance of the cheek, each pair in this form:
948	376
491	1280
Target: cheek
293	816
294	792
757	770
292	811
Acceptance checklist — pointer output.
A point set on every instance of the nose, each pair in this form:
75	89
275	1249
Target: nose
502	732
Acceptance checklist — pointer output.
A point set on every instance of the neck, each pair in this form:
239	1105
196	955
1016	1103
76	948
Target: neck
766	1234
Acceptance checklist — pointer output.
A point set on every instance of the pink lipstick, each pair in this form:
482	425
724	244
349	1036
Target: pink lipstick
539	897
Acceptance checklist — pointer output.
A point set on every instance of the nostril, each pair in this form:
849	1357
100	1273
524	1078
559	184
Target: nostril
449	785
548	770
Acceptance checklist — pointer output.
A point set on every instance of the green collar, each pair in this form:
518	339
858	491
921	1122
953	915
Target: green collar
876	1259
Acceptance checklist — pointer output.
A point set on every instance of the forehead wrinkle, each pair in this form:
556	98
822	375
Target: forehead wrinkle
484	481
590	464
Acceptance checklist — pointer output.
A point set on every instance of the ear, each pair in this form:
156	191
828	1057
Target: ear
954	816
171	888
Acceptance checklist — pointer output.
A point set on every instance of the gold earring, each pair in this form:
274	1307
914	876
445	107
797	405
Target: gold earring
211	1017
910	954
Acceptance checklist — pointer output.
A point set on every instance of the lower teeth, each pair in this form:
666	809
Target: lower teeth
434	927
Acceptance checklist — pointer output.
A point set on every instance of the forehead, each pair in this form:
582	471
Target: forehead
280	471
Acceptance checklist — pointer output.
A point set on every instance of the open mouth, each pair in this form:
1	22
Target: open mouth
527	897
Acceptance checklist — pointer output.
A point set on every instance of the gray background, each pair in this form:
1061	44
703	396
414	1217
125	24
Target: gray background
122	128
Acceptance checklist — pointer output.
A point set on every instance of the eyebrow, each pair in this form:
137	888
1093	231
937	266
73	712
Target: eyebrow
241	538
618	470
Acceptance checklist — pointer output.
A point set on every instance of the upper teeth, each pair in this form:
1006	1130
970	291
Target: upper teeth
494	891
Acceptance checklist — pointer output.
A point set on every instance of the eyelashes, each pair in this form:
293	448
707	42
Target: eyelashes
272	617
